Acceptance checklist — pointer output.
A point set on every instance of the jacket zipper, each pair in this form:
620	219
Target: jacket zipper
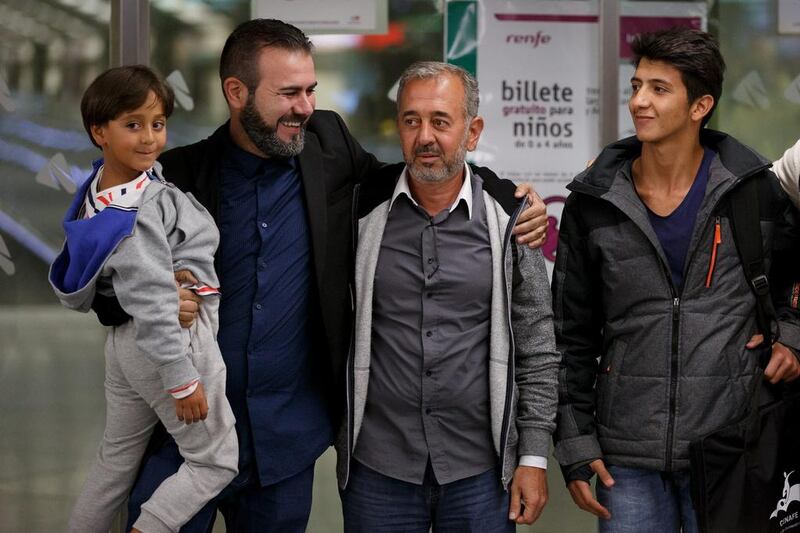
506	426
673	378
715	244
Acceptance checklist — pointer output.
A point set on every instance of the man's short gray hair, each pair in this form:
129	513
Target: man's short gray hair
426	70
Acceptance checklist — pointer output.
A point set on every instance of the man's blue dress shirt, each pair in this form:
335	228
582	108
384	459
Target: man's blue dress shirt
267	316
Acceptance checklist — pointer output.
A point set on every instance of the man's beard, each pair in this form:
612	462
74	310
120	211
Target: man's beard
265	137
449	168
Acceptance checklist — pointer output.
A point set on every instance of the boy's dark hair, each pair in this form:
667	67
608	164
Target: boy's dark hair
241	52
693	52
122	89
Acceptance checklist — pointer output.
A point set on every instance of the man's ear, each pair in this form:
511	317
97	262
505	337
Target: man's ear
474	135
98	134
235	92
701	107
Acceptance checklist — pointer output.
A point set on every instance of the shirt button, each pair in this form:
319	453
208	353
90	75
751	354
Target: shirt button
428	333
258	306
430	260
264	224
430	294
428	411
428	373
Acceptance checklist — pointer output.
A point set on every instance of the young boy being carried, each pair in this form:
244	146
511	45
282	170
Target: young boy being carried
127	232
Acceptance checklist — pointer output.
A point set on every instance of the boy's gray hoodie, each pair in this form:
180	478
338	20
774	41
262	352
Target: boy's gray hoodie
133	253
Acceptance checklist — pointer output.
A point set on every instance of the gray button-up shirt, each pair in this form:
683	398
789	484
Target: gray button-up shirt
428	395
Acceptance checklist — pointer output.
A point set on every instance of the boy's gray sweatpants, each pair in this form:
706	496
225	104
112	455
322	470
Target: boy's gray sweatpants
135	401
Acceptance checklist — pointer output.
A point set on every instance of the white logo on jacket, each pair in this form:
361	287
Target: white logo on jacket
791	493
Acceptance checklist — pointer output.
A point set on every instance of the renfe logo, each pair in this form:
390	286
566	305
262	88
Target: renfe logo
534	40
791	493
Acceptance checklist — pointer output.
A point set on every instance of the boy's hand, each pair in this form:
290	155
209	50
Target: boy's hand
194	407
189	300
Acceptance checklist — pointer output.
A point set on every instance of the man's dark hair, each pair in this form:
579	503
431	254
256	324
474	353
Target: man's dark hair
241	51
122	89
693	52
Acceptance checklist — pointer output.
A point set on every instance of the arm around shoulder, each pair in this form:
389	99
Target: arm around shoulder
364	163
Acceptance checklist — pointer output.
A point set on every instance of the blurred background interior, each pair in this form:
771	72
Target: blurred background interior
51	366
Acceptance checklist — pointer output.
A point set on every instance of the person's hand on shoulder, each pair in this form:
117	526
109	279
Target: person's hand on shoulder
531	228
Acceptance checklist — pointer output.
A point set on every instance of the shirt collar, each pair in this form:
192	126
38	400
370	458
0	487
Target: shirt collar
465	193
251	165
125	195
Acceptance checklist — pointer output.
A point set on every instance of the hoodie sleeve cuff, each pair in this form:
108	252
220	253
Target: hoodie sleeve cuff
178	373
185	391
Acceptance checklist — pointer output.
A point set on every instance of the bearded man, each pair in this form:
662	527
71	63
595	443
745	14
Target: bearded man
278	179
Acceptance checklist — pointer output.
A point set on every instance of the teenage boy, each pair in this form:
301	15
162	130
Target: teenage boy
648	280
127	231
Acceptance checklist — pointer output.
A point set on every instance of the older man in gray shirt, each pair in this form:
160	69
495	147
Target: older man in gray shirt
452	377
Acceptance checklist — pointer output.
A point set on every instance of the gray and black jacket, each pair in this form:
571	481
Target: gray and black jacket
523	361
647	369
